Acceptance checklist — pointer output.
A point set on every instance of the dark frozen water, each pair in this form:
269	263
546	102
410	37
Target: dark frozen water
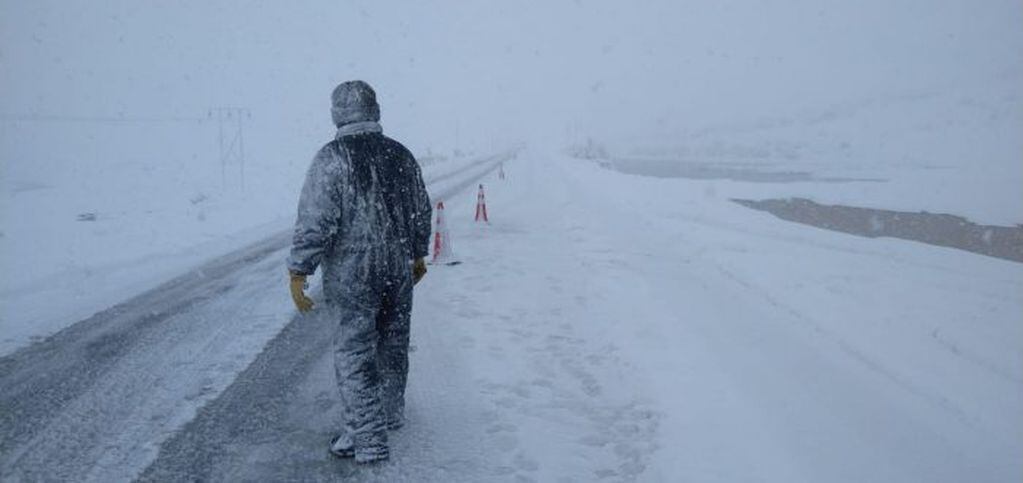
754	173
932	228
935	229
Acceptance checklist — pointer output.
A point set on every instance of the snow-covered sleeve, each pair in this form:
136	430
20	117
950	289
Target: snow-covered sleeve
318	212
422	213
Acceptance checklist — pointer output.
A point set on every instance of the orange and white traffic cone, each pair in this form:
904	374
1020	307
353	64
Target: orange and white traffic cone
442	253
481	207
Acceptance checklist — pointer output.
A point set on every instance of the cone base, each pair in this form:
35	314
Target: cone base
450	263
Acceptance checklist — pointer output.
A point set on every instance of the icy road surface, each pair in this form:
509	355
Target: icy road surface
602	327
103	393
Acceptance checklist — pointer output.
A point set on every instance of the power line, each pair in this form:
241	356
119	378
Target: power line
230	119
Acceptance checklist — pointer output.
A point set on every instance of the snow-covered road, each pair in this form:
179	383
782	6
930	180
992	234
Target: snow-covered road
105	392
603	326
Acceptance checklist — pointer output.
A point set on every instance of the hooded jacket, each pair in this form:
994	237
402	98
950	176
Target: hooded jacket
363	192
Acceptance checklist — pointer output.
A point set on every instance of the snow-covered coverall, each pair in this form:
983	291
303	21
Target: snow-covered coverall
363	216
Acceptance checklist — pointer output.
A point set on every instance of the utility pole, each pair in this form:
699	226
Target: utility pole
456	153
231	140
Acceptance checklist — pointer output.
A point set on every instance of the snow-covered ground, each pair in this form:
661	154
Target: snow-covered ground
617	326
602	326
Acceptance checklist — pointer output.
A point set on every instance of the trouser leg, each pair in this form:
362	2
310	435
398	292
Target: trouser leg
358	378
392	353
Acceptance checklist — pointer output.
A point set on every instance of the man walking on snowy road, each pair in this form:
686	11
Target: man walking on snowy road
364	217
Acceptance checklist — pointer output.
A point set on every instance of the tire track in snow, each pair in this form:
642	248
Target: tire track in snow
777	359
557	399
73	379
40	381
255	408
885	372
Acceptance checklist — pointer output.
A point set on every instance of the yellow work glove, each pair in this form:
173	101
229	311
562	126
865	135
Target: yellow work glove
418	270
302	303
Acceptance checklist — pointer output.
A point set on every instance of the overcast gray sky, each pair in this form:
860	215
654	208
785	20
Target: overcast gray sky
495	69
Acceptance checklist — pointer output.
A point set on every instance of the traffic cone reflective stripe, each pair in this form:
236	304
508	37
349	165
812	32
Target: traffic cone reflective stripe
481	206
437	245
